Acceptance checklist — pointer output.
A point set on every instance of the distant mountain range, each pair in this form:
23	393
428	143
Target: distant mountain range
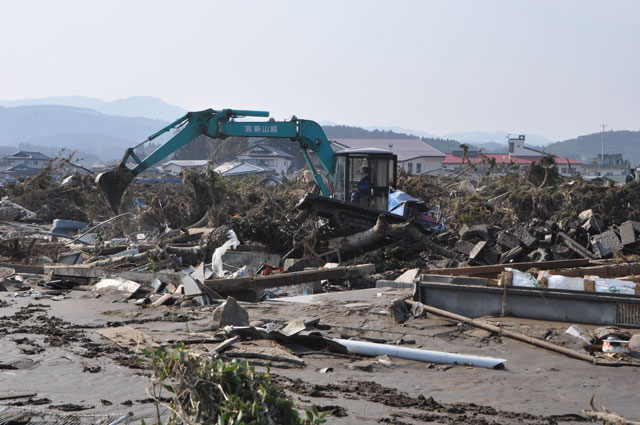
105	129
135	106
54	126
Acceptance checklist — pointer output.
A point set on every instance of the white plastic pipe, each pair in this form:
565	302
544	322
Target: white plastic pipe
373	349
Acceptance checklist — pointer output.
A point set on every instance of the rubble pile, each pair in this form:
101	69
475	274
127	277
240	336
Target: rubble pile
227	276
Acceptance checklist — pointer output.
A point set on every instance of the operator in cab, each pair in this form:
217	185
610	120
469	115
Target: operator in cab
364	187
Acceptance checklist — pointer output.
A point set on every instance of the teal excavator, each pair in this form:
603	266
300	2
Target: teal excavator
345	169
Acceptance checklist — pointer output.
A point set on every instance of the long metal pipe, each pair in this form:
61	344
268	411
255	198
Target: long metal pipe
373	349
518	336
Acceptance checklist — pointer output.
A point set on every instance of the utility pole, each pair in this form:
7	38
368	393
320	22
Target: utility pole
603	125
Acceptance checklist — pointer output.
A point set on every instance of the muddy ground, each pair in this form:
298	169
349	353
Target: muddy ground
51	350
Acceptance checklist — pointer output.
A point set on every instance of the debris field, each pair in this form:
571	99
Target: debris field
525	309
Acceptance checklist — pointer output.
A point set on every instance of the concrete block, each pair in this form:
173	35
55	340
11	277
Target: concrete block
561	252
585	215
605	244
627	233
551	225
524	236
408	276
593	225
507	240
463	247
475	252
191	287
383	283
464	229
250	258
230	313
492	255
479	230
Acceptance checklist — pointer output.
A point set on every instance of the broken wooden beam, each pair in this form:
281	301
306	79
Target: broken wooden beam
494	270
604	271
576	247
510	334
239	284
89	271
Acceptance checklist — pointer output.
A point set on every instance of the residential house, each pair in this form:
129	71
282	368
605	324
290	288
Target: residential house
265	156
236	170
414	155
177	166
23	164
518	155
35	160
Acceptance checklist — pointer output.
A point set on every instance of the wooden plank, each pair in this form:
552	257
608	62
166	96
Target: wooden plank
506	279
229	286
589	285
576	247
18	395
22	268
609	270
88	272
495	270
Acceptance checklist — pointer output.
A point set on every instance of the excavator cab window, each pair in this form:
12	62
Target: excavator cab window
364	176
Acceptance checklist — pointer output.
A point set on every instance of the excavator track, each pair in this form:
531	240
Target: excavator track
345	215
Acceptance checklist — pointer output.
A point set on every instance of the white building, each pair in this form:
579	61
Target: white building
235	169
35	160
177	166
414	155
267	157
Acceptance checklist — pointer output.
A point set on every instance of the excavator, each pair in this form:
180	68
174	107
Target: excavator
345	169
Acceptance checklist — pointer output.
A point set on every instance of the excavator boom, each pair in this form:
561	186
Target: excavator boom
218	124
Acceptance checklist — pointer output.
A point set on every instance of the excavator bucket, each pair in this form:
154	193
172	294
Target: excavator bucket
112	185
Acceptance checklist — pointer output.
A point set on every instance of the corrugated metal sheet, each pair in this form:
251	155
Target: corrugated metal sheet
628	314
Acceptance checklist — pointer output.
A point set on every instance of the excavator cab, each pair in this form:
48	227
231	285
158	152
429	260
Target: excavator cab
364	176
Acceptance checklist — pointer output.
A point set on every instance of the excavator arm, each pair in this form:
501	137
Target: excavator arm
219	124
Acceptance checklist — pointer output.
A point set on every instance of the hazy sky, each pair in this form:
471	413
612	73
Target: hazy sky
556	68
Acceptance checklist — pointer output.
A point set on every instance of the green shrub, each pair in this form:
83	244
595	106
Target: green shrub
212	391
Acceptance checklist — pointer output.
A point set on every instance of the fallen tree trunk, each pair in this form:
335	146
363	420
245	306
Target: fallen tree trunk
364	241
132	258
350	245
239	284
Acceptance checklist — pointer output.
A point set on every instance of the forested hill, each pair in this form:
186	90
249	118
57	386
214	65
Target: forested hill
585	147
348	132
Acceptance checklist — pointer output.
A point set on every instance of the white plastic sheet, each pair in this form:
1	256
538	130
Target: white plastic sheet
522	278
216	259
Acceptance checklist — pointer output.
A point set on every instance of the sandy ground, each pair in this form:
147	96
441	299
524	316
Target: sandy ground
52	349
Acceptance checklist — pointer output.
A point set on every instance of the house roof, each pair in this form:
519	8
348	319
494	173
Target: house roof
22	168
503	158
235	167
186	162
405	149
29	155
262	150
